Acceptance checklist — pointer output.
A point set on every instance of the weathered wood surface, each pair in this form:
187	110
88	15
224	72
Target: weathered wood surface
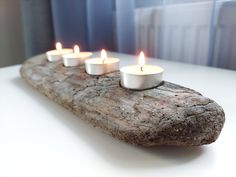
167	115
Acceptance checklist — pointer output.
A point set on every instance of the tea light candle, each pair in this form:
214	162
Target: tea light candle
99	66
76	58
56	55
140	77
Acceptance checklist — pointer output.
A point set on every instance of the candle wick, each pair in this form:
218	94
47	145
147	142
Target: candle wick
103	61
141	68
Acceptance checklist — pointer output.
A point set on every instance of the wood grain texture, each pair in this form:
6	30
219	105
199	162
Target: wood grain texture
167	115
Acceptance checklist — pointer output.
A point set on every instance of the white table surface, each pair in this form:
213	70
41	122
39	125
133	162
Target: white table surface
39	138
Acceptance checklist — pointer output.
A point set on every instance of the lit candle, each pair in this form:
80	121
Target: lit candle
141	76
56	55
76	58
102	65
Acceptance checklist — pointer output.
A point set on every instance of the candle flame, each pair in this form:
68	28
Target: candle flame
76	49
141	60
58	46
103	54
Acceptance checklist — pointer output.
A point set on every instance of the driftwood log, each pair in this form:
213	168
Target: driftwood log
167	115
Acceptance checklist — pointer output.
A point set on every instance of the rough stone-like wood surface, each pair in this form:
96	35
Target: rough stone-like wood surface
167	115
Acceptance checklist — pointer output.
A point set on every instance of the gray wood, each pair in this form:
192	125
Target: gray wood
167	115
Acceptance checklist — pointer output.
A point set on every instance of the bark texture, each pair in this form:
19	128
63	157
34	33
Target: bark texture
167	115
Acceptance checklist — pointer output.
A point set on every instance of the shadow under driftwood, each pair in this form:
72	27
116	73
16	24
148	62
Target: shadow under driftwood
112	150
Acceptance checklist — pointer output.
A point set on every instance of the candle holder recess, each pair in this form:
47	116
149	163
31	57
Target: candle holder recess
165	115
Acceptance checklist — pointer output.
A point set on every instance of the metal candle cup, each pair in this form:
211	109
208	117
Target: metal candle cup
99	66
103	65
133	78
55	55
74	59
141	77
